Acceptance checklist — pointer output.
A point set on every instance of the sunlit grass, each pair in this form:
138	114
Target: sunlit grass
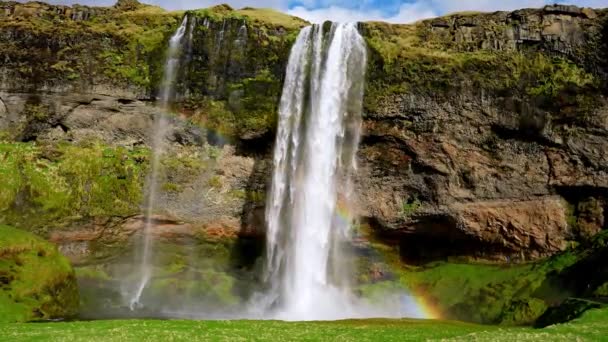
272	17
590	327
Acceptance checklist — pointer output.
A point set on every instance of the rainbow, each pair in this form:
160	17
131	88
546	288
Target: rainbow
418	306
413	304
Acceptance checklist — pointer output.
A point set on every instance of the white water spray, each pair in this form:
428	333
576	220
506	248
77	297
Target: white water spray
159	134
317	138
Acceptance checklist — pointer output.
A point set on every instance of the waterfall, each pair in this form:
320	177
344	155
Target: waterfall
314	156
159	134
220	37
241	38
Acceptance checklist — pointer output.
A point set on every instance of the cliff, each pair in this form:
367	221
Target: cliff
484	134
488	128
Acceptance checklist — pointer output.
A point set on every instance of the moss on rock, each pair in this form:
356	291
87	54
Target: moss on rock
570	309
47	186
513	294
36	281
412	59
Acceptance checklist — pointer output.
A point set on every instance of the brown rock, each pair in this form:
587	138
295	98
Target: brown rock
537	227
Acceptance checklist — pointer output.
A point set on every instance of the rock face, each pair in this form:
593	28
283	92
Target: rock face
36	281
558	28
466	149
484	134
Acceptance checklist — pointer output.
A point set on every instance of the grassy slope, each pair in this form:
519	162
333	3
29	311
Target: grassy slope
590	327
512	294
36	281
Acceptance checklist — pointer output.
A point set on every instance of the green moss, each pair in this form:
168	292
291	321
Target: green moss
487	293
519	312
234	89
36	112
405	59
199	271
115	46
172	187
257	107
214	115
271	18
410	206
92	273
250	107
566	312
602	291
36	281
215	182
216	13
501	294
44	186
253	196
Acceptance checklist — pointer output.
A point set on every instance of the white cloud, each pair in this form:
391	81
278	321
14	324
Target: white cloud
421	9
450	6
407	13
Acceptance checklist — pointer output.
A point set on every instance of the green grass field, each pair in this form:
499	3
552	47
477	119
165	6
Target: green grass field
592	326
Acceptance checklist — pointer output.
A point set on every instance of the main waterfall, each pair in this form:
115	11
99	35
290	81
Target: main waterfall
314	156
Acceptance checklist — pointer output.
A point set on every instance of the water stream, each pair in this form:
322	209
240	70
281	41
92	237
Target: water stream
160	132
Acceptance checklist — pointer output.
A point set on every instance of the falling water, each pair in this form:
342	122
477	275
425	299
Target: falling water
317	138
241	38
159	134
220	37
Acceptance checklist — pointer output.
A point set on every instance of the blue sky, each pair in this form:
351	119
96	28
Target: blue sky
401	11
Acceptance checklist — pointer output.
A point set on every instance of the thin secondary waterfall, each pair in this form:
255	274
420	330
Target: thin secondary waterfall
159	134
317	138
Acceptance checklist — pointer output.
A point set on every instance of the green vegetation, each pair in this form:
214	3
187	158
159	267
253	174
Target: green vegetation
123	47
271	18
234	84
36	281
197	269
262	17
410	206
409	59
590	327
511	294
482	293
569	310
234	91
252	196
45	185
257	105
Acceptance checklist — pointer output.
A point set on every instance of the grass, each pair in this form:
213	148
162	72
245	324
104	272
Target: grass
590	327
267	16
